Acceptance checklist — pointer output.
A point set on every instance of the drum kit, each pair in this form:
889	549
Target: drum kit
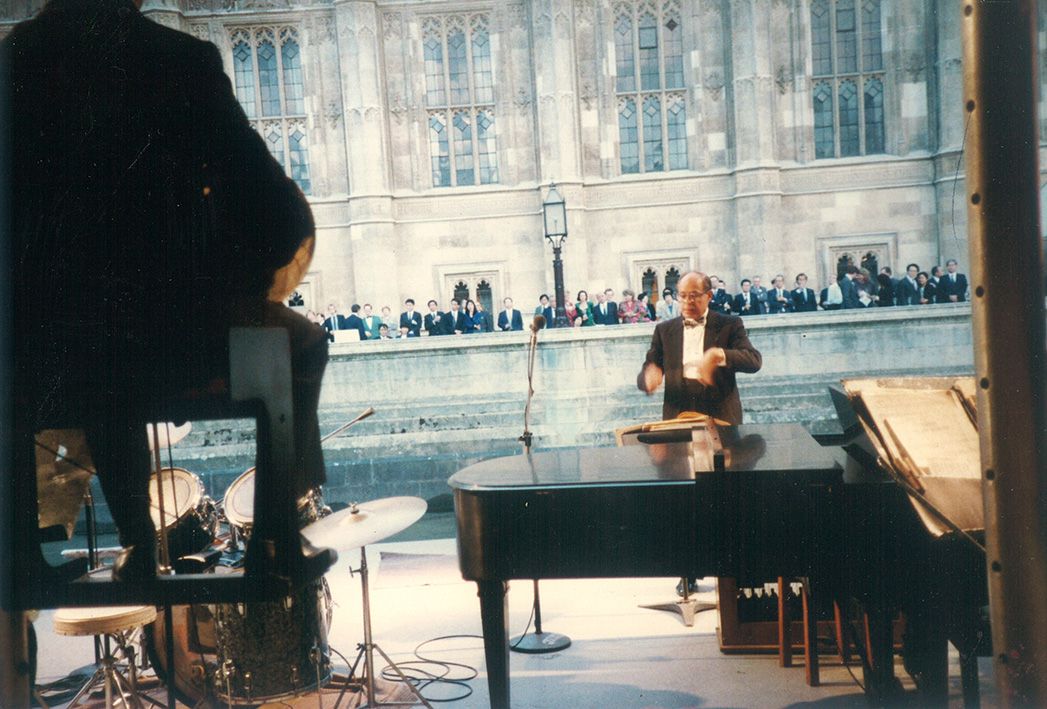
247	654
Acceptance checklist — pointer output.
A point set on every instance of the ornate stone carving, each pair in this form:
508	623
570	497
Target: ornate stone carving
392	23
333	113
588	94
372	113
915	66
522	100
261	4
709	7
517	15
322	29
714	85
585	11
398	107
200	31
783	80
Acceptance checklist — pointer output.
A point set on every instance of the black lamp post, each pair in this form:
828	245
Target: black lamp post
555	212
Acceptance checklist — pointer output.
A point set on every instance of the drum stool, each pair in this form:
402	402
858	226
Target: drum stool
117	624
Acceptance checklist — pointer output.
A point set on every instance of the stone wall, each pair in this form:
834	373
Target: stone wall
441	404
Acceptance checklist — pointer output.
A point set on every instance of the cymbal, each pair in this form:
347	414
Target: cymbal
365	523
168	433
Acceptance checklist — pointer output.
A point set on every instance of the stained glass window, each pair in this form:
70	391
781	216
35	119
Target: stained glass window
267	74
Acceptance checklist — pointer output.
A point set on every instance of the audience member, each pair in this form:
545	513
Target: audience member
831	297
371	322
334	321
866	289
745	303
387	318
608	294
803	297
905	288
410	321
383	332
936	277
645	301
433	322
486	317
667	308
629	309
953	286
721	300
885	293
583	310
510	318
570	312
604	313
925	290
778	299
546	310
849	289
355	322
761	294
454	319
473	318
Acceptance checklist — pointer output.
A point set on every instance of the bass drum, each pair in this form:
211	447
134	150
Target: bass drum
190	515
247	654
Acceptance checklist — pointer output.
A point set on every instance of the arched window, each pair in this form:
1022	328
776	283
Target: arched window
459	98
652	113
871	263
848	78
461	292
483	294
671	278
649	283
267	73
842	263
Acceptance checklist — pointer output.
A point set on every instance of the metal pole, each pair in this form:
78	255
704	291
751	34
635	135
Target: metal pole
561	306
1010	334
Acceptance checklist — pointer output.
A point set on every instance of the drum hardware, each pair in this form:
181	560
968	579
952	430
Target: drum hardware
355	527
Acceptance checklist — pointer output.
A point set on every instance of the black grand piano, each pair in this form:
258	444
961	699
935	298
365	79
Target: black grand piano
779	505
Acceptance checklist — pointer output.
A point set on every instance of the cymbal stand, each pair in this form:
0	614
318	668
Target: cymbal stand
369	647
165	557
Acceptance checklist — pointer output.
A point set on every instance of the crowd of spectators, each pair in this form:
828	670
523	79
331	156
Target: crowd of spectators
857	288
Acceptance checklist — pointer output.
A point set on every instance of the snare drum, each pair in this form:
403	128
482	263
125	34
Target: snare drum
239	505
189	514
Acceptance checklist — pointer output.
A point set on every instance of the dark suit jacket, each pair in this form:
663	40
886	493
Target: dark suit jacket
946	288
355	322
452	321
336	322
849	290
929	292
776	306
802	304
721	399
721	301
611	318
141	195
487	322
432	325
413	323
739	307
505	324
905	292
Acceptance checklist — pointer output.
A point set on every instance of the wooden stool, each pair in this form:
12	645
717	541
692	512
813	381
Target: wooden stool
117	624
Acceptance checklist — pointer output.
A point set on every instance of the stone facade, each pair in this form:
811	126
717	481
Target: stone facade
753	200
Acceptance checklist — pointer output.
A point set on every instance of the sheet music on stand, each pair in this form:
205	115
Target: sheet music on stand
926	435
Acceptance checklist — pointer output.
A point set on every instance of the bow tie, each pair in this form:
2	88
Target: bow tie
688	323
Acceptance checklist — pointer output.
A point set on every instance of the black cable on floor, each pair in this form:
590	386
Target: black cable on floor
422	678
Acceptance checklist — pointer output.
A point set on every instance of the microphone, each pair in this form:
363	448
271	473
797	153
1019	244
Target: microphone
538	324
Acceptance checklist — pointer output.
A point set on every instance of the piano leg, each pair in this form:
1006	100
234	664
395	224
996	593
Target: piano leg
495	623
881	686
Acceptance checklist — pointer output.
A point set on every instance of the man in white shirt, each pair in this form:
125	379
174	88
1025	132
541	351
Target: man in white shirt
510	318
832	296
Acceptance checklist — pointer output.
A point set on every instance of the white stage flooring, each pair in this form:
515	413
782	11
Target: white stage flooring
622	656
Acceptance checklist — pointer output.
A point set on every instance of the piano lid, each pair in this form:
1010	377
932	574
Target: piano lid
755	449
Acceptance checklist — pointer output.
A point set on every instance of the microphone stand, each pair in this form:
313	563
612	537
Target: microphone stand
538	642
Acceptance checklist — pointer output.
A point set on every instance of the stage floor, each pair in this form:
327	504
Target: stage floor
621	656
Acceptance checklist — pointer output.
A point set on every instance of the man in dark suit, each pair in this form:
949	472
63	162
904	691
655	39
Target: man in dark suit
746	302
510	318
849	289
334	321
148	218
410	321
953	286
761	294
905	289
487	318
434	320
779	300
546	310
721	301
355	322
697	356
454	319
604	313
803	297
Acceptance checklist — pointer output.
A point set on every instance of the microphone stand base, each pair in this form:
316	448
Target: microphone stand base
539	643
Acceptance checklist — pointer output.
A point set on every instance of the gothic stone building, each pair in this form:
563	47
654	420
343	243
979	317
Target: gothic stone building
743	137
